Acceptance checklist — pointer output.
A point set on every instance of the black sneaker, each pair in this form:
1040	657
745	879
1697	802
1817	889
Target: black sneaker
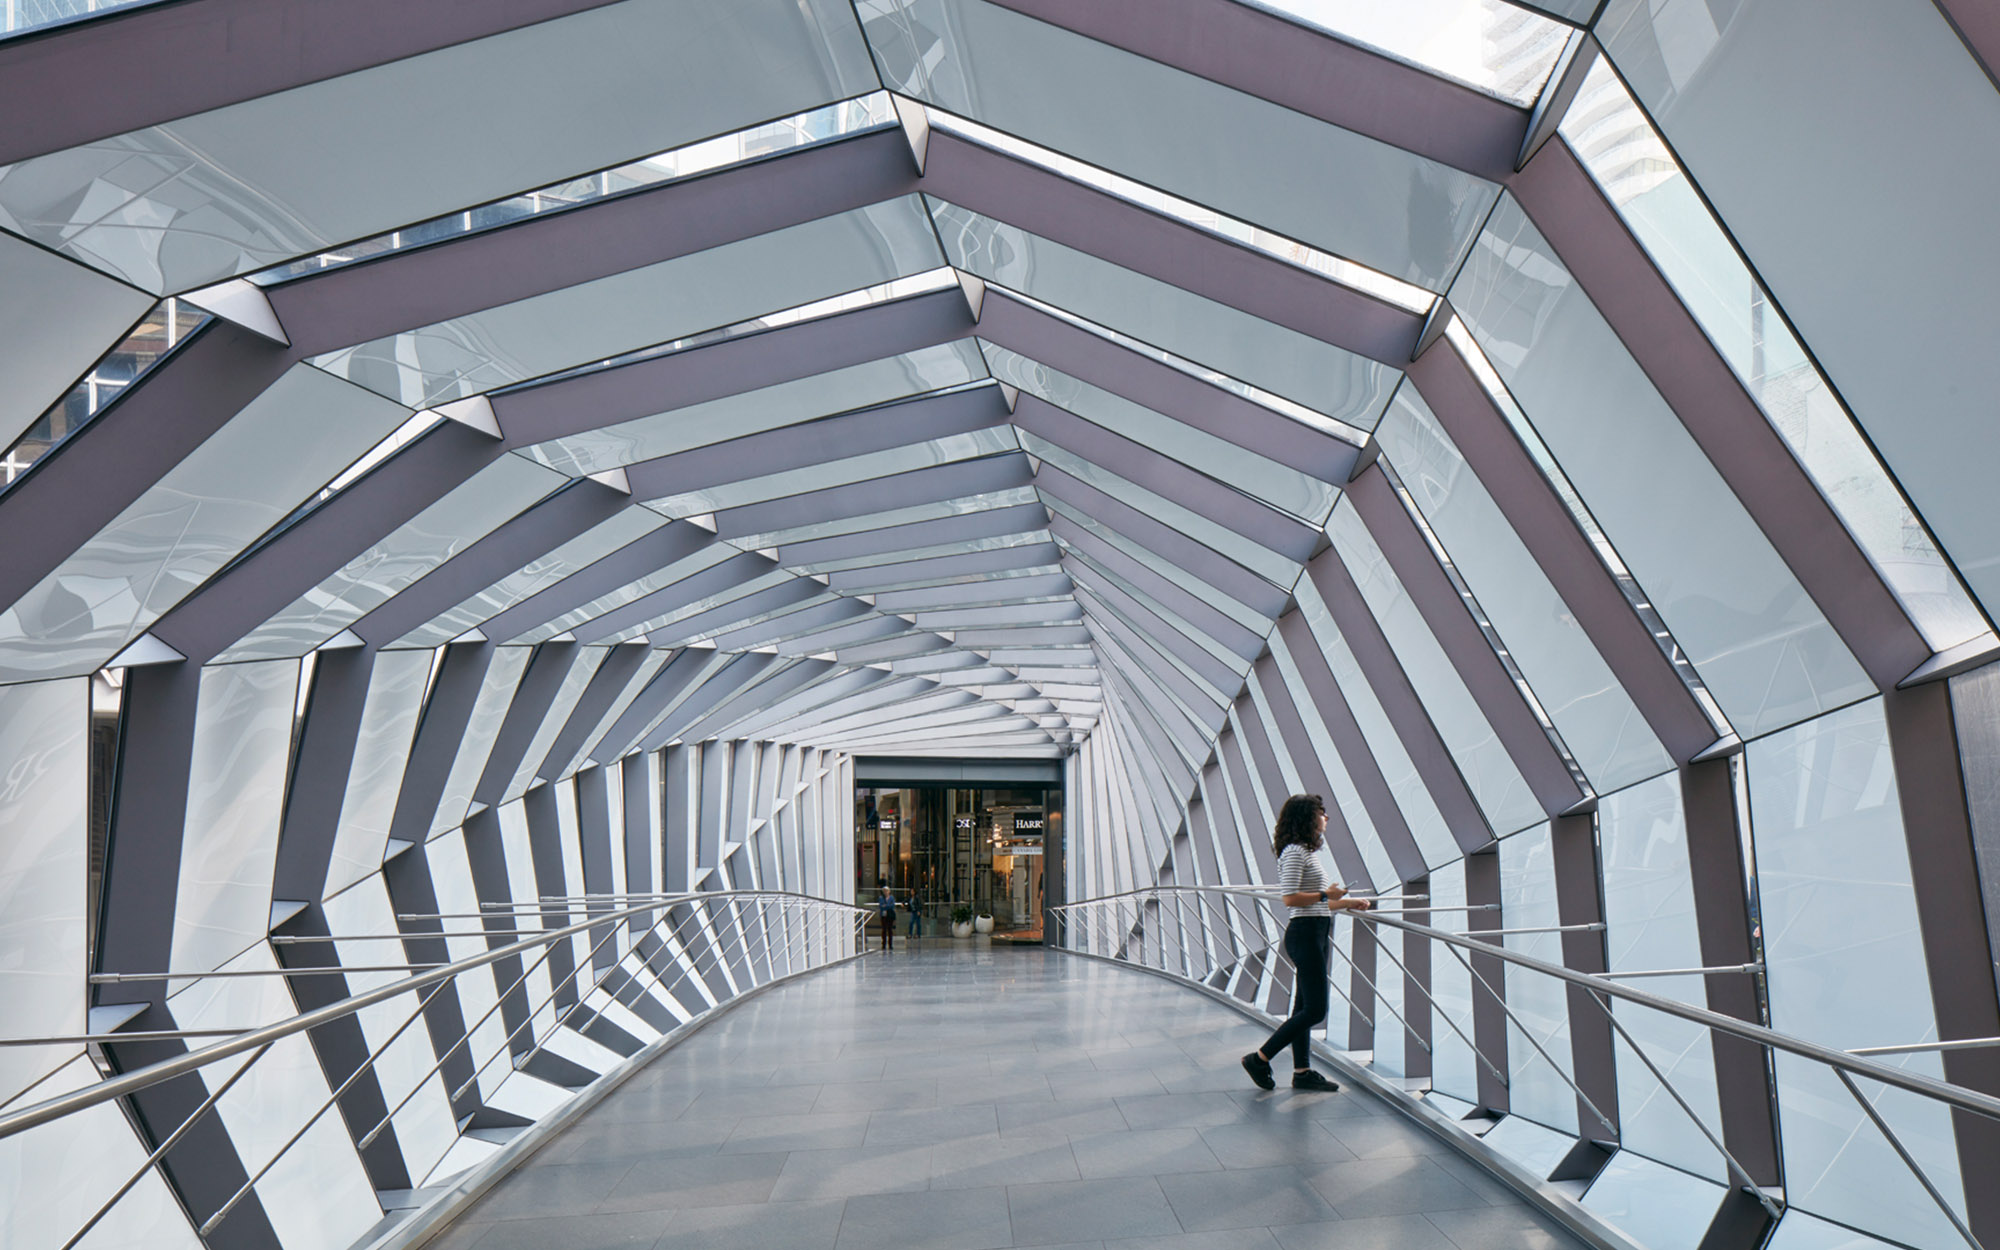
1259	1069
1310	1080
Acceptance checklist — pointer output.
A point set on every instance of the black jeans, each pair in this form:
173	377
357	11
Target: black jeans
1305	945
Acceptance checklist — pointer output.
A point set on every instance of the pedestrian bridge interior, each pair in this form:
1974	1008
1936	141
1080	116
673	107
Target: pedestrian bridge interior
497	497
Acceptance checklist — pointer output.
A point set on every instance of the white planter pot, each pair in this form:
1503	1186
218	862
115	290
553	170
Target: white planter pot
983	924
961	930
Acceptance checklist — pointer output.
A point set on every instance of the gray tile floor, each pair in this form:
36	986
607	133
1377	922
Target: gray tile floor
960	1097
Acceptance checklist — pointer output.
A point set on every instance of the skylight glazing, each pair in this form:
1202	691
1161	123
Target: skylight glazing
1494	47
154	339
802	130
1640	175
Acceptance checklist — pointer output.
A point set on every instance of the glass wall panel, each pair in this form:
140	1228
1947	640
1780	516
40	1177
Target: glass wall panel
1800	1231
317	1196
426	1128
1537	1084
1758	641
1454	1066
55	1176
1381	872
639	307
375	775
1658	1207
1598	721
237	773
200	515
1846	969
1413	798
477	992
471	511
1864	116
1482	759
207	197
44	811
1640	176
56	319
583	666
1650	923
1393	1042
1306	370
482	728
1406	216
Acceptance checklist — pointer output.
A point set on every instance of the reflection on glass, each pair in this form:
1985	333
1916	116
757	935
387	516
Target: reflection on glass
1536	1089
165	328
1489	771
1759	641
942	847
1501	50
834	121
1640	176
1840	920
1659	1207
1649	922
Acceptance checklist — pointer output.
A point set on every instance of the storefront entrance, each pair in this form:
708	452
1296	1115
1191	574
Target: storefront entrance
942	846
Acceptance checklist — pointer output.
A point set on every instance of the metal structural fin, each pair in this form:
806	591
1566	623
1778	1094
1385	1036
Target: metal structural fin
145	650
241	303
110	1019
1012	394
615	479
284	910
476	412
974	287
1572	67
1435	323
916	122
1966	656
345	640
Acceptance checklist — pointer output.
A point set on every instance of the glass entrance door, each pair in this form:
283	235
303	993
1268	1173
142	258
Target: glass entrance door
943	847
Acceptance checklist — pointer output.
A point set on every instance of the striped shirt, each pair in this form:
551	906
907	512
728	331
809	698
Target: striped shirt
1300	872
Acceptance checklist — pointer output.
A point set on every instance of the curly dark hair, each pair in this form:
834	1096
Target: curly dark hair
1298	822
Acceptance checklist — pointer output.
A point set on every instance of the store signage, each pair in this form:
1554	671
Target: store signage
965	822
1027	824
885	824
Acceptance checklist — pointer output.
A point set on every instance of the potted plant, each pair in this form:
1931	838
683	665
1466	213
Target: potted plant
961	921
983	922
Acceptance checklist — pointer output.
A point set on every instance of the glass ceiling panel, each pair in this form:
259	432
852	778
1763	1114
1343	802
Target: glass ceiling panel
544	333
593	544
962	506
18	16
632	591
200	514
1407	216
496	494
1590	707
208	197
1246	616
1346	796
1281	486
1761	645
56	318
768	408
915	455
835	121
1272	244
1316	374
1502	50
1640	176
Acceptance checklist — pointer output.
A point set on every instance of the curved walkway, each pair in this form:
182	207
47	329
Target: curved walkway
968	1098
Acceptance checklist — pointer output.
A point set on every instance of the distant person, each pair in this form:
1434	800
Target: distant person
885	913
917	912
1312	901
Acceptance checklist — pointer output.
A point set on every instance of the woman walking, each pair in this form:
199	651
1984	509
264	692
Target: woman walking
1312	901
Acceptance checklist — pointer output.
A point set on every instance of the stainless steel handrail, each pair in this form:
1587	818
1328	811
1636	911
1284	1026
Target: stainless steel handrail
1601	989
179	1065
